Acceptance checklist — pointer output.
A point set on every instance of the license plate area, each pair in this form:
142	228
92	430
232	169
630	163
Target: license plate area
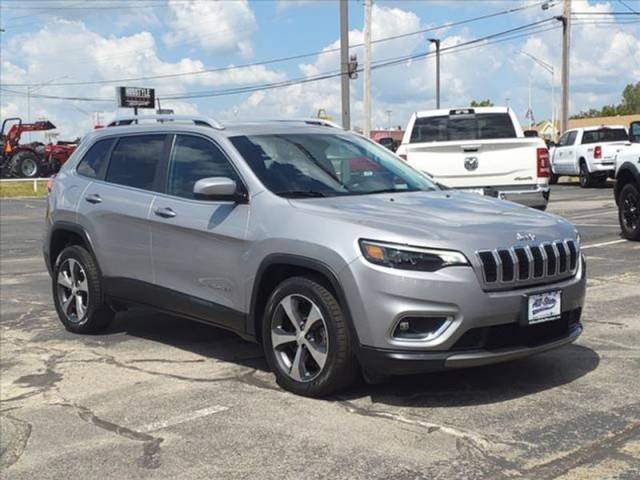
543	307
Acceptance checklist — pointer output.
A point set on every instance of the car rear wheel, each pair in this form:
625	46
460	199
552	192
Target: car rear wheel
586	179
306	339
629	212
77	292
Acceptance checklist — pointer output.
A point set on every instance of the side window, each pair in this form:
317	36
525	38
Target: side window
571	139
135	159
94	163
563	140
192	159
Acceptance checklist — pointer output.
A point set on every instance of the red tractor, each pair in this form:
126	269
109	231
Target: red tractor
30	160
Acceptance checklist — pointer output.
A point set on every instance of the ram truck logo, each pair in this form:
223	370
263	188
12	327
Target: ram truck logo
471	163
522	236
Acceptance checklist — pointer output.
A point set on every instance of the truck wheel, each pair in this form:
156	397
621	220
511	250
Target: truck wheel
629	212
586	179
27	165
306	339
553	179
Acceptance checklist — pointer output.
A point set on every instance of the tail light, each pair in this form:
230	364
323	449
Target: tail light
544	168
403	156
597	152
50	183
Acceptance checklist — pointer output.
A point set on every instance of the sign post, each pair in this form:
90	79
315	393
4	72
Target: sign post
135	97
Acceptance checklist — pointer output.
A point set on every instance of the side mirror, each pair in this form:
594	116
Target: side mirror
218	188
634	132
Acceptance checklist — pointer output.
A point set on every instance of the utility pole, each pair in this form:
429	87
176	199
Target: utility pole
566	41
367	68
437	42
344	64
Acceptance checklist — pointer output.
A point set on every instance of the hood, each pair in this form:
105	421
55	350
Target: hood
445	219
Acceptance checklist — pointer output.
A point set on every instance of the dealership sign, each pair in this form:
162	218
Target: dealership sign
135	97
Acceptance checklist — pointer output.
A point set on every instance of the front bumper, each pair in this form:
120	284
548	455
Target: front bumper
484	326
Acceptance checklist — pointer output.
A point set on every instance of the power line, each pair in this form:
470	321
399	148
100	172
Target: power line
281	59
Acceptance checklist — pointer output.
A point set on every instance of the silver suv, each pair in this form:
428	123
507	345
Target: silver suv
320	244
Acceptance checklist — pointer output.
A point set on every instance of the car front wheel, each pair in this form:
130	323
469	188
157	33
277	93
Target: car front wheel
306	339
629	212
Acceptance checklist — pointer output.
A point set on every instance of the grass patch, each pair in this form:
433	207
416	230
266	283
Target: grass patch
22	189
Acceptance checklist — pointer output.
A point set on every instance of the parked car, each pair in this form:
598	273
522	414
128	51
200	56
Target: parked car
589	152
482	150
627	187
319	243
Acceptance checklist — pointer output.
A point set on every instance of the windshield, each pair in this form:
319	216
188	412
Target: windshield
324	165
605	135
480	126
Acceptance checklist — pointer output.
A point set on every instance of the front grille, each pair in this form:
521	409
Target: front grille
531	264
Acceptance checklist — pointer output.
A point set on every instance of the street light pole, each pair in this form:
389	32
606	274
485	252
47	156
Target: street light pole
566	33
344	64
437	42
367	69
549	68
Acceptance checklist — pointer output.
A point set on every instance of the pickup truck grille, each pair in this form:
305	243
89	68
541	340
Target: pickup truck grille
527	265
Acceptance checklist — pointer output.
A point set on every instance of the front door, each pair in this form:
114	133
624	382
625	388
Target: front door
197	245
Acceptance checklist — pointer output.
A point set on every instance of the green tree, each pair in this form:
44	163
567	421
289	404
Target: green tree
481	103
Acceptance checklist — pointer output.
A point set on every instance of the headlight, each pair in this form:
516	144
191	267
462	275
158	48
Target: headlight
410	258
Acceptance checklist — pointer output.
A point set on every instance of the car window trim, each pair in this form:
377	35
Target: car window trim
242	186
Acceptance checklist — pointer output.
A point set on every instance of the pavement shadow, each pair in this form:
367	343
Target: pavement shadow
198	338
609	184
483	385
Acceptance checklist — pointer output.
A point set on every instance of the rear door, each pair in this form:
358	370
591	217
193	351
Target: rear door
115	206
468	149
197	244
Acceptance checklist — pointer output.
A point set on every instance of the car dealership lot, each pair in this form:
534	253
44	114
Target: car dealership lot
157	396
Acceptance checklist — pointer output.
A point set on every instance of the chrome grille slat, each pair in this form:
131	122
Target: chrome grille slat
546	262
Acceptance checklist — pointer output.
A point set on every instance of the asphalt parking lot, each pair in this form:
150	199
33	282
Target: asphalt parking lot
160	397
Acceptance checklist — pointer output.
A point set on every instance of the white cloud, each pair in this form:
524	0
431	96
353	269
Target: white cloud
218	27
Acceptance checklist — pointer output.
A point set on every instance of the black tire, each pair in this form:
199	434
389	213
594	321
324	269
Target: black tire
586	179
341	368
553	179
629	211
26	165
95	313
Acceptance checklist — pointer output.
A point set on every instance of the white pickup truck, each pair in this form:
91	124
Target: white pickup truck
479	149
589	152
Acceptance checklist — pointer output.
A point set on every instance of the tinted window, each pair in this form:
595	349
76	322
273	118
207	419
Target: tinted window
482	126
563	140
94	162
192	159
134	161
571	138
605	135
307	165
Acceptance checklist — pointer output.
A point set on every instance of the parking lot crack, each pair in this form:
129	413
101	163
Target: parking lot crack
15	435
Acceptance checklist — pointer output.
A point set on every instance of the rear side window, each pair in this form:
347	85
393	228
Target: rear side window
481	126
192	159
135	159
95	161
605	135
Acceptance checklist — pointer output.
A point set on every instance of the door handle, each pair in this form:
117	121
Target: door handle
93	198
165	212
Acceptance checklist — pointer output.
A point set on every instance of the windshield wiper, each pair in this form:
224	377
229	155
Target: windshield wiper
300	194
389	190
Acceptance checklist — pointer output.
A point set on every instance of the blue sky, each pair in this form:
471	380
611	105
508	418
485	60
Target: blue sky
71	41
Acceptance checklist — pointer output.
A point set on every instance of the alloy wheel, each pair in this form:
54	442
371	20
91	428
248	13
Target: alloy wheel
631	211
73	290
299	338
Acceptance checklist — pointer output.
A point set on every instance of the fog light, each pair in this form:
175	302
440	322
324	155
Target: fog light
420	328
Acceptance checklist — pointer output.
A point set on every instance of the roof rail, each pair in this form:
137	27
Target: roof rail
200	120
309	121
